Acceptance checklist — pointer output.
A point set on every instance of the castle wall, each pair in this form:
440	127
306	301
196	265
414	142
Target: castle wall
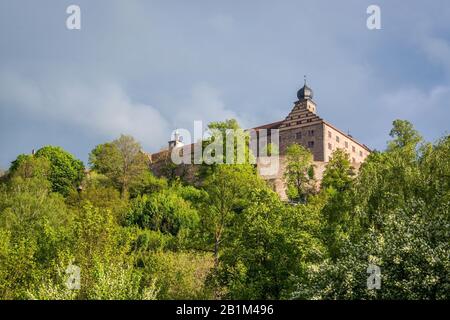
334	139
277	181
302	126
309	136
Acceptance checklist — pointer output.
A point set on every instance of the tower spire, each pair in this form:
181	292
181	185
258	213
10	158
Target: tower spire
305	92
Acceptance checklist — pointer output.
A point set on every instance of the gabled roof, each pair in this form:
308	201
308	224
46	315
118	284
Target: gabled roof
273	125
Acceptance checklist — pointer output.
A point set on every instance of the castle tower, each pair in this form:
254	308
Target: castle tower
303	125
177	140
305	98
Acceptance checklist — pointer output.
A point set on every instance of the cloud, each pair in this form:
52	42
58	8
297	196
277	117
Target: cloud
102	108
438	51
427	109
204	103
146	68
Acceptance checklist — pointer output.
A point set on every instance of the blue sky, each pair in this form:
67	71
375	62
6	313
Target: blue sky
146	67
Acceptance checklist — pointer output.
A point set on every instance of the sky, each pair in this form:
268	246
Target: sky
145	68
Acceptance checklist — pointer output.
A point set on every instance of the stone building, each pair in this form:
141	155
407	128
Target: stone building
303	126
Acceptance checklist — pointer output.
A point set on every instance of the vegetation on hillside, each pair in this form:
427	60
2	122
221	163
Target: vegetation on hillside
136	236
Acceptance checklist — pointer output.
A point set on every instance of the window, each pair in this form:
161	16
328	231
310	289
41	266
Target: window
337	138
310	144
308	120
360	153
353	159
330	146
329	134
310	133
298	135
353	149
346	144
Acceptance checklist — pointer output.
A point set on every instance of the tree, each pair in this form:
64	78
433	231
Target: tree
65	172
34	231
147	183
28	166
387	179
121	160
164	211
228	188
216	147
179	274
337	212
404	135
401	199
299	172
270	244
339	172
98	191
412	252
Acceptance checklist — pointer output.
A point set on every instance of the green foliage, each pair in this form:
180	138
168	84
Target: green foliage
179	275
337	212
229	236
61	168
164	211
33	231
225	136
299	172
401	201
404	136
339	172
122	161
269	246
147	183
28	166
412	252
228	190
66	172
97	190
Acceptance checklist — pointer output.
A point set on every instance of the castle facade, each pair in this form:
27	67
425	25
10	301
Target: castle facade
303	126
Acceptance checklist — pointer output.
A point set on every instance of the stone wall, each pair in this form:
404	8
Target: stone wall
277	180
334	139
309	136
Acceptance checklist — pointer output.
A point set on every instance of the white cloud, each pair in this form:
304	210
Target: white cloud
413	101
437	50
426	109
101	108
204	103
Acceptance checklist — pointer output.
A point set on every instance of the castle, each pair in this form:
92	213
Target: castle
303	126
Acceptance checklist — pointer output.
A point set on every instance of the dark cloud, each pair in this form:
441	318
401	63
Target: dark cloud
146	67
